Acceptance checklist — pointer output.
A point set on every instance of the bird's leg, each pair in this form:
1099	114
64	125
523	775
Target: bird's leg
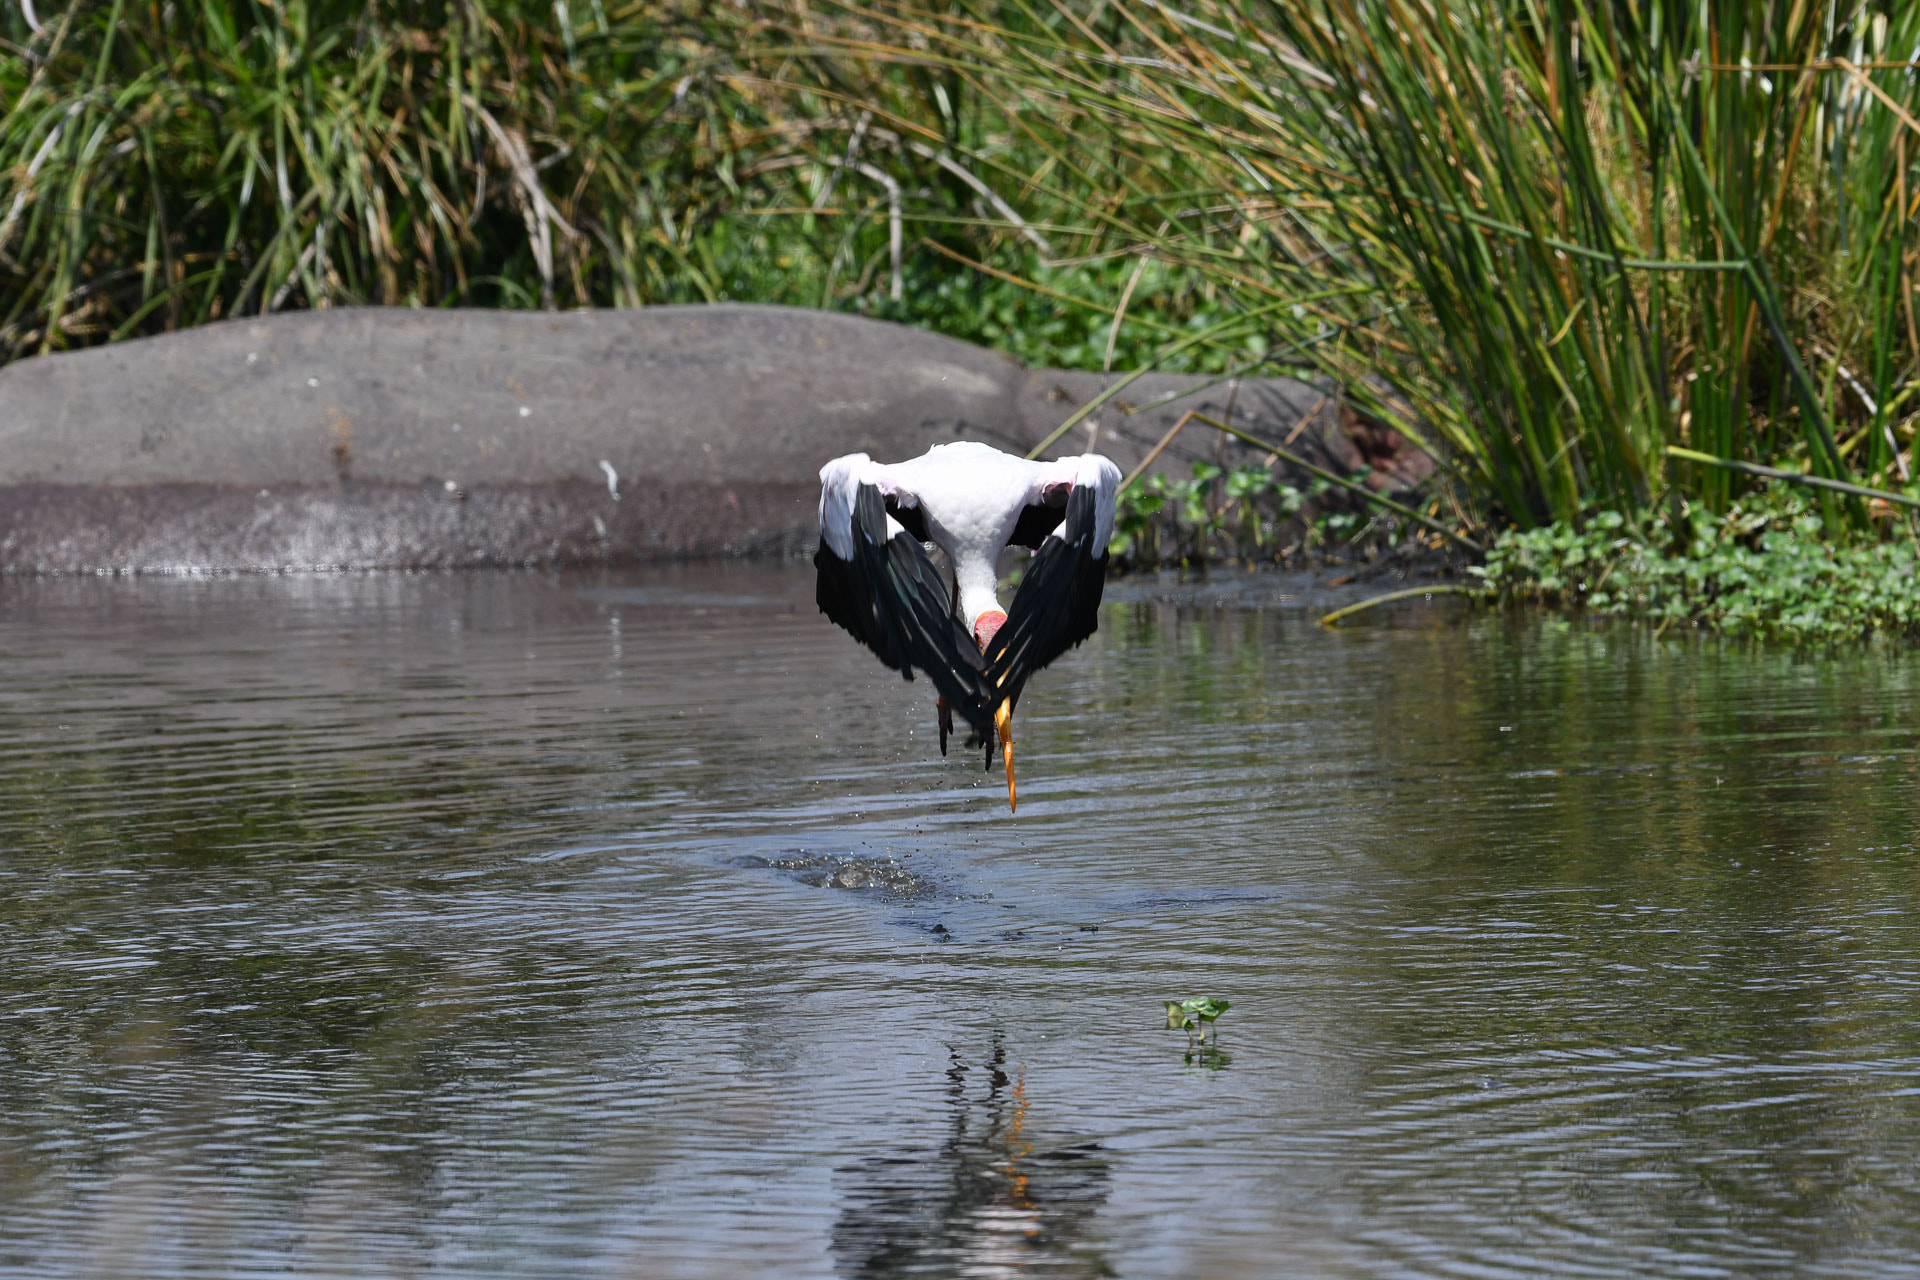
1003	723
946	722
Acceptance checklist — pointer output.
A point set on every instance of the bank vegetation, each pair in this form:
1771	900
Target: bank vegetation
1652	260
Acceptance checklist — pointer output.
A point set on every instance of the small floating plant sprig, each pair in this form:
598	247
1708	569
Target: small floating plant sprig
1194	1016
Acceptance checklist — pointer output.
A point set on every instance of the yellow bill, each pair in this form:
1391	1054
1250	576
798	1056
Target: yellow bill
1003	724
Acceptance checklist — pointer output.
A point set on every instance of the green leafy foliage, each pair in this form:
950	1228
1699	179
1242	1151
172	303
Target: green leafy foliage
1764	568
170	165
1246	513
1193	1015
1043	332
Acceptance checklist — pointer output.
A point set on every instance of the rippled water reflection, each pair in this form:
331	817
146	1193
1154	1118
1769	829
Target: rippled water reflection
507	925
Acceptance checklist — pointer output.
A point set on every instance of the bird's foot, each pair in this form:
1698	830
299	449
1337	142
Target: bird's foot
946	722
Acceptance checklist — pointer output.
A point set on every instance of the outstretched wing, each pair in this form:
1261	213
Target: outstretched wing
876	581
1058	603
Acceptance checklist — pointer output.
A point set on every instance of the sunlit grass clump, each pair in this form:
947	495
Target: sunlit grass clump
166	166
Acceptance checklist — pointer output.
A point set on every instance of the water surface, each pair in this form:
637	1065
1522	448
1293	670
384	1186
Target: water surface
503	924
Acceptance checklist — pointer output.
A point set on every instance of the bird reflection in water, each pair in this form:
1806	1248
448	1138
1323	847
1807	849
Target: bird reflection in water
993	1200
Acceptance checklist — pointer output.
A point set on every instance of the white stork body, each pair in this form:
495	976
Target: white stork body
972	501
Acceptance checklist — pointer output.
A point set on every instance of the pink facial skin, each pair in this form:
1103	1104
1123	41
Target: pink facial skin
985	626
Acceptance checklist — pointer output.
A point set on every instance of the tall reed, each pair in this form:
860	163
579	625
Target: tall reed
1548	239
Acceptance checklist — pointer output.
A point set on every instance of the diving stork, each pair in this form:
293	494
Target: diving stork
970	500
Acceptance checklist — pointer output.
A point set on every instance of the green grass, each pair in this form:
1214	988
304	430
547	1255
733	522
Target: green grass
162	167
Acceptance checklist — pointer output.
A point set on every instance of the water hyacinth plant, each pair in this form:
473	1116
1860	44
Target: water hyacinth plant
1245	514
1194	1015
1759	569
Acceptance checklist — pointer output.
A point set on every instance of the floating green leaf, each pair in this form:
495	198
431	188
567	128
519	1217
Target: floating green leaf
1192	1015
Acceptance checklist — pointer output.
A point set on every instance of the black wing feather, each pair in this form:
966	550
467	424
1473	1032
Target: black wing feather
912	519
1037	520
1058	603
891	599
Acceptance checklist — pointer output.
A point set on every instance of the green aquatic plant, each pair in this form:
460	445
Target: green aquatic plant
1763	568
1194	1015
1243	513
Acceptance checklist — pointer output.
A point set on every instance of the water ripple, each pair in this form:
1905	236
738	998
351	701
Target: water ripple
633	925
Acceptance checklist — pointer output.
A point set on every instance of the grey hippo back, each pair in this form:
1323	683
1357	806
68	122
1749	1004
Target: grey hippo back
396	438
